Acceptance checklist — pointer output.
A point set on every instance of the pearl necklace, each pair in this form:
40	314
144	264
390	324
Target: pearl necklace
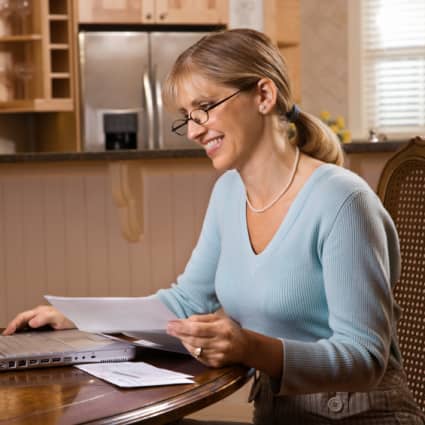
282	192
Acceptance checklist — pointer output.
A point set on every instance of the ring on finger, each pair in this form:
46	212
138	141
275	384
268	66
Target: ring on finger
198	352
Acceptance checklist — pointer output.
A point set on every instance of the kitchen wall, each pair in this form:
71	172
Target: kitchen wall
324	56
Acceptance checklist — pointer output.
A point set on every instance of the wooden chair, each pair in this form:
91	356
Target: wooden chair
402	190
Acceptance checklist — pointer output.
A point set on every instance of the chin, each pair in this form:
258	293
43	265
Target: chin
222	164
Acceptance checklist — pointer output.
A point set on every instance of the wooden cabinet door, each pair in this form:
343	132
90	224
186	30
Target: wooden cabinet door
288	22
282	24
192	11
116	11
282	21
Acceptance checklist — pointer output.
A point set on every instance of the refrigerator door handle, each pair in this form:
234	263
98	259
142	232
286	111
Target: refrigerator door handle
149	108
159	109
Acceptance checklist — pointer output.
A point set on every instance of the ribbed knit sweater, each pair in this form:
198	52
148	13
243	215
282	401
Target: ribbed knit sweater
323	285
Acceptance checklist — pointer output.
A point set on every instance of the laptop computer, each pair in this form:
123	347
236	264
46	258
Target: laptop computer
59	348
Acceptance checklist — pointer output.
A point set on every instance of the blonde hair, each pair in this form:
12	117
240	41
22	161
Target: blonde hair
239	58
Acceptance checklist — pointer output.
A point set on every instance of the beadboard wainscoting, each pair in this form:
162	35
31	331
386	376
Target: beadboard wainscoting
60	230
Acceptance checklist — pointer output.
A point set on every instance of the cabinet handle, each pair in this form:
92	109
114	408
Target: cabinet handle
148	16
163	15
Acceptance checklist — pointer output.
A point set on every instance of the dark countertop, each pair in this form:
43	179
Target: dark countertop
349	148
368	147
102	156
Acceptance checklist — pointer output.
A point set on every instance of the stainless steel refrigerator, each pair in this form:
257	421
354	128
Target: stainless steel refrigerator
121	78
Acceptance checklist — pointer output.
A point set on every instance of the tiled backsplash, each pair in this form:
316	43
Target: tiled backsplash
324	56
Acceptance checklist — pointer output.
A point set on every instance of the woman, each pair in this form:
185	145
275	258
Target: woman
293	270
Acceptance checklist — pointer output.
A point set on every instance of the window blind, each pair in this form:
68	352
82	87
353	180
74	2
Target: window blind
393	39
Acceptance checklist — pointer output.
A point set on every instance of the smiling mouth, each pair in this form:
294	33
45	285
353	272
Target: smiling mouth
214	143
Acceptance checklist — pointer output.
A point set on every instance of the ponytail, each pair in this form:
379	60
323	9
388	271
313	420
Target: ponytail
316	139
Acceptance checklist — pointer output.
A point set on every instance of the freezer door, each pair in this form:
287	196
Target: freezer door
113	65
166	46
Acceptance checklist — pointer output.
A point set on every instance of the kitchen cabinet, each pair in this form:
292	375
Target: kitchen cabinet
282	23
37	75
282	18
116	11
192	11
207	12
36	57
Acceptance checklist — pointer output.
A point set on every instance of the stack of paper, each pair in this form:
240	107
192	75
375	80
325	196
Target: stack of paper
135	374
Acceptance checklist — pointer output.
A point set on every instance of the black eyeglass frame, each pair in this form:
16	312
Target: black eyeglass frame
181	122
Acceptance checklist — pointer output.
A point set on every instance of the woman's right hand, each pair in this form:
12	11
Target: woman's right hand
37	317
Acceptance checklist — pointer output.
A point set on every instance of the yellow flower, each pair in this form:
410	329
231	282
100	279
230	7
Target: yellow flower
325	115
340	122
337	125
346	136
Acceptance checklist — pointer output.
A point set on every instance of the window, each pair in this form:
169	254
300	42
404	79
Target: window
391	66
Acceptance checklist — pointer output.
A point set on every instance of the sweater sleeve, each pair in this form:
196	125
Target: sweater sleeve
194	290
360	261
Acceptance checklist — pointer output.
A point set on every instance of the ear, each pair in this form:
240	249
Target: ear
266	95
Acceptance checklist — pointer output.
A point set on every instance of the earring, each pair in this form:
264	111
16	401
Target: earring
262	108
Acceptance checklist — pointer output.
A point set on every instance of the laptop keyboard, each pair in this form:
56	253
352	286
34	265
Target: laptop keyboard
48	342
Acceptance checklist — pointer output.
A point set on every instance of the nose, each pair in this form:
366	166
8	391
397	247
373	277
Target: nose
194	130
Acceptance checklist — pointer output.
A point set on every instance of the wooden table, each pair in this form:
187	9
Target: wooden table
67	395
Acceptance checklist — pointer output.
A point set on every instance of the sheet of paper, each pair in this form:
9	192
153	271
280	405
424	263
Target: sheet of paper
112	315
135	374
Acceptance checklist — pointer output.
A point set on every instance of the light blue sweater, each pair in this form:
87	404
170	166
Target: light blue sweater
322	285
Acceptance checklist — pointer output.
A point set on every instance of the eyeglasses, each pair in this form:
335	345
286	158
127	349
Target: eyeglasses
199	115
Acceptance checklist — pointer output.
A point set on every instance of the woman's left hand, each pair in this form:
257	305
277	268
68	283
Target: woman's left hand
214	339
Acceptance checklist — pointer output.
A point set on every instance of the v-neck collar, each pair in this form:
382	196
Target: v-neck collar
287	221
